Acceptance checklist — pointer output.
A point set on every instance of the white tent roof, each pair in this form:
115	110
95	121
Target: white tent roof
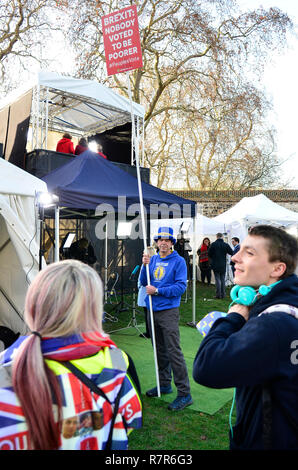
258	209
203	225
79	105
19	250
16	181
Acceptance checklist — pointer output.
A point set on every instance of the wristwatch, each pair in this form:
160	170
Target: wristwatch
156	292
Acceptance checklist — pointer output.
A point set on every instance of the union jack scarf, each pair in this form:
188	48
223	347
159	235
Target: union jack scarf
86	416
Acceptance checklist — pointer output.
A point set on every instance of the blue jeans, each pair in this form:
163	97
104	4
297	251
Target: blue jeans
220	284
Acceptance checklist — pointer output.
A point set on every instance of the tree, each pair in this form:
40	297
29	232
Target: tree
203	116
226	147
200	58
26	26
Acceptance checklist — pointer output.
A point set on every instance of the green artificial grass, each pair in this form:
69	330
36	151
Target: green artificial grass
140	349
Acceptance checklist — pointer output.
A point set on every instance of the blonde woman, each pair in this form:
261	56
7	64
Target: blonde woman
63	310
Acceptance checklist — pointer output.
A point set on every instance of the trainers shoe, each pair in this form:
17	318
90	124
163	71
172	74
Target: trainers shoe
180	402
164	390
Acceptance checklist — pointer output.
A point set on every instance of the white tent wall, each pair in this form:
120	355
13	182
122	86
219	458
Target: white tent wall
18	259
19	246
204	227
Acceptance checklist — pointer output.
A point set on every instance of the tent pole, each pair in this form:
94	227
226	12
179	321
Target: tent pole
194	275
37	117
47	118
143	142
194	270
57	214
144	236
106	263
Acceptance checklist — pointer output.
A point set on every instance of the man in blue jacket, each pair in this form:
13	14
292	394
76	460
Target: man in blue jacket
168	275
255	347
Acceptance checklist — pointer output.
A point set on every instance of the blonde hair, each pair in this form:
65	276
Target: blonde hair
65	298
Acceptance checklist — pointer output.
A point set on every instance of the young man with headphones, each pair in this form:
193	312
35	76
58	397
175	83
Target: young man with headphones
254	348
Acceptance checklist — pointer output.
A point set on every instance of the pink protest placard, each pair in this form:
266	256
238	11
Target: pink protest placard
122	40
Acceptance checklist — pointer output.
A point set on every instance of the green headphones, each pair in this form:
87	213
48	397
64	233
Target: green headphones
247	295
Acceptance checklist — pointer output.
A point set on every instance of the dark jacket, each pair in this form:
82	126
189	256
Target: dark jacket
235	250
247	355
218	253
80	149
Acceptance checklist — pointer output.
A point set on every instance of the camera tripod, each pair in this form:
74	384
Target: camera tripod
133	321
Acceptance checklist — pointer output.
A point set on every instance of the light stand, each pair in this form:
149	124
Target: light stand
44	200
133	321
123	231
41	234
122	309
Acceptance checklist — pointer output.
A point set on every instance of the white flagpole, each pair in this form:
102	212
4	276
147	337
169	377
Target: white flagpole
143	230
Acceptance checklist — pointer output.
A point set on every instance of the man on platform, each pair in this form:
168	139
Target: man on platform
65	144
168	276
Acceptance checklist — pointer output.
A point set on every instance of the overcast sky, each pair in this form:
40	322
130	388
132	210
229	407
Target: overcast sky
281	82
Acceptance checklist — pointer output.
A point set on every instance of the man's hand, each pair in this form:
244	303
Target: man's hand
146	259
241	309
150	290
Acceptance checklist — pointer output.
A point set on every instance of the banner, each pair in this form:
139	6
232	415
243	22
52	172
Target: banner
122	40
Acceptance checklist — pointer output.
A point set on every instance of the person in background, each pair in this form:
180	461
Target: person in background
83	251
236	245
65	144
254	348
63	310
204	263
100	151
182	247
218	253
168	280
81	147
142	294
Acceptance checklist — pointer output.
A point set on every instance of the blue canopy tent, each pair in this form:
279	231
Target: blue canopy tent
89	180
90	186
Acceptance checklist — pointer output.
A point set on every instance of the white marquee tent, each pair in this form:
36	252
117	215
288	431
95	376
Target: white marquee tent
255	210
19	249
204	227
